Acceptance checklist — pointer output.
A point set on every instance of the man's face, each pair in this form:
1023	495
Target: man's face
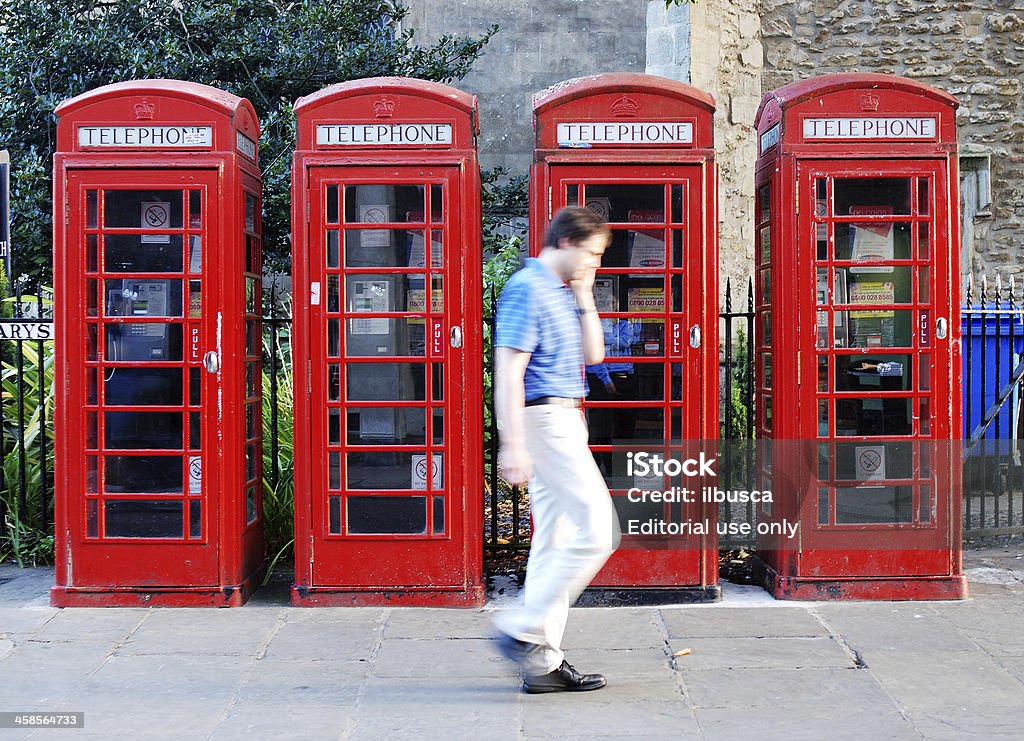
585	255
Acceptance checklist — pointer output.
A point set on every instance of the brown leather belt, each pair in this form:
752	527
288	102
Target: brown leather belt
558	401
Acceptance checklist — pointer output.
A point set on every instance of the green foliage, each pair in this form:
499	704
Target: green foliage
279	485
269	51
28	540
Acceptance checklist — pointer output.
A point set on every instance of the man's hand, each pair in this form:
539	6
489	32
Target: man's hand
515	464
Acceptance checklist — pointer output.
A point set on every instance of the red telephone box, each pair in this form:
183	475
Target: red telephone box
639	150
157	200
858	341
388	337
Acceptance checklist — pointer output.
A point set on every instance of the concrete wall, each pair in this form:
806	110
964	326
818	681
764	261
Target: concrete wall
538	44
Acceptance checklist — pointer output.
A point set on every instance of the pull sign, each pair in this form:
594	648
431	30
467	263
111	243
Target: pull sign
677	338
194	341
436	338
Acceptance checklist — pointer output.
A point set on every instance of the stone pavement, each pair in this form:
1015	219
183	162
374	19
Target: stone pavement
758	669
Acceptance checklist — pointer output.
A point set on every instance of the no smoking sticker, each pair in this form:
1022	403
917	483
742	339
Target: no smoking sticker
870	462
156	215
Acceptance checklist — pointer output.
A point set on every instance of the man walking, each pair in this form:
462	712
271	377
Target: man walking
547	328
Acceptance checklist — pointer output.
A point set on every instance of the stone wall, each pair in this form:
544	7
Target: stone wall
974	50
537	45
727	60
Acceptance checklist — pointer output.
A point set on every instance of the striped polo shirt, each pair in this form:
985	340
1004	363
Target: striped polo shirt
537	314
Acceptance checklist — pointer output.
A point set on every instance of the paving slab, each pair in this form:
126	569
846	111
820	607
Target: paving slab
995	624
282	720
602	713
792	622
895	627
832	719
437	707
203	632
612	628
752	653
438	623
312	640
753	688
184	677
320	683
17	621
410	658
112	625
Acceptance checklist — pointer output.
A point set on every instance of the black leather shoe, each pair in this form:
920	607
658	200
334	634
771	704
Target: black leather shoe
563	679
514	649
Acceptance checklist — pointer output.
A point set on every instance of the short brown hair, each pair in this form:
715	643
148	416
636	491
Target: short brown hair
575	223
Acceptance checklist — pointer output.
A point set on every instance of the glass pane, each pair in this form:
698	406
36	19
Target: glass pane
870	373
334	426
373	470
91	427
572	197
823	506
764	242
385	426
767	421
333	293
252	373
253	296
855	286
334	382
91	342
367	338
143	387
90	386
765	278
823	430
133	430
378	204
679	254
250	213
926	505
253	338
135	341
129	253
132	518
924	279
253	421
195	209
333	249
629	203
437	381
92	476
195	387
438	515
923	240
195	254
251	462
874	504
764	204
398	248
92	529
91	251
874	462
874	417
386	382
766	329
678	209
195	518
871	196
144	473
438	427
397	515
195	299
925	370
437	204
766	361
881	328
142	298
195	433
332	204
923	197
143	209
926	415
91	209
377	292
823	384
646	249
614	425
870	243
334	470
335	515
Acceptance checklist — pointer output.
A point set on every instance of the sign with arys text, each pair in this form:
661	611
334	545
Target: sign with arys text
392	134
153	137
587	133
16	329
903	127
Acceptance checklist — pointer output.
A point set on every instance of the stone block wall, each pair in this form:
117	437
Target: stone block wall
974	50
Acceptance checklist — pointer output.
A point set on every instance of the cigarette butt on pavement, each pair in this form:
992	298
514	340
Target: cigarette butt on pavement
683	652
